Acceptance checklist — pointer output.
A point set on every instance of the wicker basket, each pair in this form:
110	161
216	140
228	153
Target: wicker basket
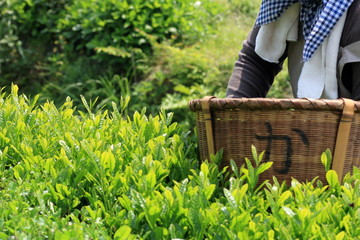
292	132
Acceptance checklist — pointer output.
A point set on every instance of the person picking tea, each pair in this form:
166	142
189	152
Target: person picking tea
319	38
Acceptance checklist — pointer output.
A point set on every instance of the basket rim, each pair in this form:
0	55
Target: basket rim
271	103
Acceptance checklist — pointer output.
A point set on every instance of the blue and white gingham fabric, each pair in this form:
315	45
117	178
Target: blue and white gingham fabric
318	16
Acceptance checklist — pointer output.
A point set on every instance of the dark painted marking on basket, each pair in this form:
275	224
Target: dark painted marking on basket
288	151
302	135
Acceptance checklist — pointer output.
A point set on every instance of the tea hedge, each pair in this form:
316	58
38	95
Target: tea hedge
68	174
66	41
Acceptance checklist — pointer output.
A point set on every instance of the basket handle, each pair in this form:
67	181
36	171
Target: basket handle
342	138
205	106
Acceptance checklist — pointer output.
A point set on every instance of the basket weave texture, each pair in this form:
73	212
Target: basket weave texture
292	132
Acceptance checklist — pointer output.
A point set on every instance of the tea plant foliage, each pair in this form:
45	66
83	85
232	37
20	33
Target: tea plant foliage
68	174
59	43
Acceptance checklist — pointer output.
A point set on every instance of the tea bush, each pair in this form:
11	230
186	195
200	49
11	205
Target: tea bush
178	76
247	7
68	174
28	36
93	24
65	42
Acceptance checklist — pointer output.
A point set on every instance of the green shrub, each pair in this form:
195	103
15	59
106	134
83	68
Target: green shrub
27	36
247	7
41	41
107	175
67	165
177	72
93	24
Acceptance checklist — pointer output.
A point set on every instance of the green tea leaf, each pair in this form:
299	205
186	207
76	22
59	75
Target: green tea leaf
240	193
254	154
151	179
209	190
263	167
332	178
283	197
326	159
340	236
230	198
288	211
123	233
204	169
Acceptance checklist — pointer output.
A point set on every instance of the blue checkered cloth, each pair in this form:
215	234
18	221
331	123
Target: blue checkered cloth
318	17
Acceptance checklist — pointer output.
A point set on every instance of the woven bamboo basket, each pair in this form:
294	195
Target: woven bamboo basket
292	132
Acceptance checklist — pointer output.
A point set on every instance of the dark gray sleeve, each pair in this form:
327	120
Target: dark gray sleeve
351	80
350	42
252	76
356	80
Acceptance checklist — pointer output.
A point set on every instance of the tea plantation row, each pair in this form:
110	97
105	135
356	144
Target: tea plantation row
67	174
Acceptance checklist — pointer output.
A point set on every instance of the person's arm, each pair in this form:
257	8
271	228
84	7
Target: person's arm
350	54
350	78
356	80
252	76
